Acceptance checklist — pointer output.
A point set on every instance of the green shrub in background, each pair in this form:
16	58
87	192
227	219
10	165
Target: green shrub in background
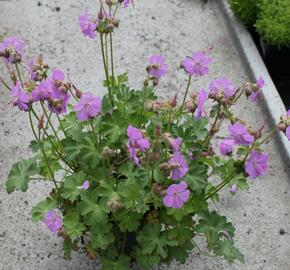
273	22
246	10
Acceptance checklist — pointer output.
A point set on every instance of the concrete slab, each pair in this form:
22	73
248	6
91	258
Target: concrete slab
174	28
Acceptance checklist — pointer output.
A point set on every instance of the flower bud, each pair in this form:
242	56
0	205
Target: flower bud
158	131
40	124
181	65
204	154
155	82
282	127
100	15
107	152
149	106
173	102
190	106
145	83
114	204
6	53
116	22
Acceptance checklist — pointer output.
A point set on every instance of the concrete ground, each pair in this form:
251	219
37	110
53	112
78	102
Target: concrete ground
175	28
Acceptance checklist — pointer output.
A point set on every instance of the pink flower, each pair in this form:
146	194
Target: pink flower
240	134
202	98
88	107
222	85
197	64
128	2
87	25
85	185
257	93
257	164
177	195
288	113
53	221
234	189
42	92
175	143
59	97
226	147
14	44
158	67
180	166
19	97
136	142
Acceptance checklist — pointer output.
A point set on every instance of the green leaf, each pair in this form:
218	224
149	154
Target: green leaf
35	146
181	252
152	240
197	177
129	222
216	228
72	186
146	261
180	213
38	211
72	225
44	169
67	247
93	209
133	196
20	172
182	231
71	148
227	249
102	236
122	263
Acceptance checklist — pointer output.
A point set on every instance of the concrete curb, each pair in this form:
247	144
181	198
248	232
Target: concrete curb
271	100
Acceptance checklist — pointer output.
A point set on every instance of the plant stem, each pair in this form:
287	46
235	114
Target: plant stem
48	119
106	70
60	123
18	73
54	147
209	135
186	93
43	152
5	84
112	58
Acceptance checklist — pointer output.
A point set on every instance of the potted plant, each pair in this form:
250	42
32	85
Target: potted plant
132	175
268	22
273	27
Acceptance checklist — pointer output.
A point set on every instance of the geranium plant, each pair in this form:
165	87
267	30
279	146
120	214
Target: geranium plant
132	175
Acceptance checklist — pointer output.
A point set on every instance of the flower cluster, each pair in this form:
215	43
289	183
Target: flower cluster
129	167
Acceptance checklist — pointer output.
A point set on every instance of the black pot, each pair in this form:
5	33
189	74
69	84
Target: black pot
277	61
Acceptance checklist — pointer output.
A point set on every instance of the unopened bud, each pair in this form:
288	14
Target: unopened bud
100	15
181	65
6	53
190	106
145	83
155	82
116	22
40	124
158	131
224	101
79	93
107	152
173	102
204	154
110	27
149	106
282	127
